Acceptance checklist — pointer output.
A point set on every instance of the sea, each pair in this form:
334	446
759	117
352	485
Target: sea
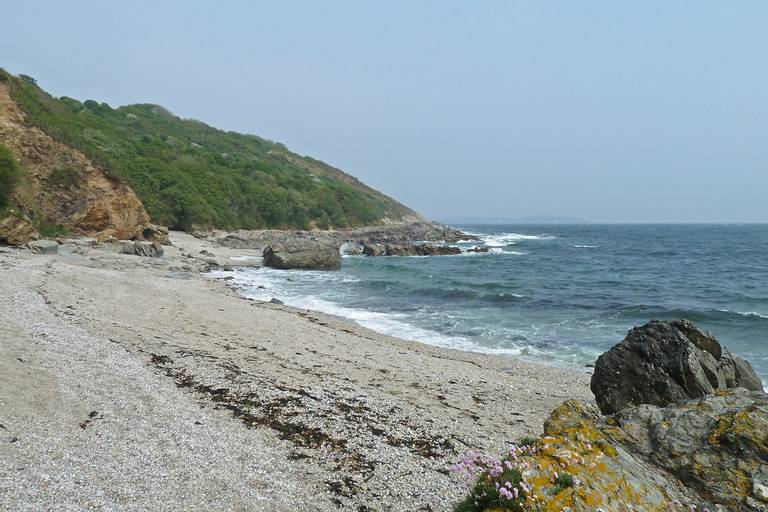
560	294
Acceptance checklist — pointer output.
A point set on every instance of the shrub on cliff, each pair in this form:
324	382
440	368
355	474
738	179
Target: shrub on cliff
10	175
189	174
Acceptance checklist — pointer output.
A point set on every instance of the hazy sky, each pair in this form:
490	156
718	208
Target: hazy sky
609	111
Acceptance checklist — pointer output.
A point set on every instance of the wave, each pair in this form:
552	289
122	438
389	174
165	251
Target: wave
506	239
746	314
585	246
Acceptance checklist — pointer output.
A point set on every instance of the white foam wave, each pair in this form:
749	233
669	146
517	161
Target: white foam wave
506	239
264	284
752	313
586	246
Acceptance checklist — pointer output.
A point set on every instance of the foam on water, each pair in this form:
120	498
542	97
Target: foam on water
547	296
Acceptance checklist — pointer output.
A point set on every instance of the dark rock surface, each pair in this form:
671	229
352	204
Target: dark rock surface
400	233
141	248
303	254
408	250
665	362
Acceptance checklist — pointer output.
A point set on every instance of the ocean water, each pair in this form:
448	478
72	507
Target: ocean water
557	293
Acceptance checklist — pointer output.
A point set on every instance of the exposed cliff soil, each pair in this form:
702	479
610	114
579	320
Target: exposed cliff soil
61	186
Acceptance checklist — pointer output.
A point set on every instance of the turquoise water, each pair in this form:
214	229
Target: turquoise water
560	293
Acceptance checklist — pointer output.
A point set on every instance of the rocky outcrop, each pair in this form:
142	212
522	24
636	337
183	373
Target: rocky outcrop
704	453
408	250
303	254
396	234
64	187
716	445
17	229
665	362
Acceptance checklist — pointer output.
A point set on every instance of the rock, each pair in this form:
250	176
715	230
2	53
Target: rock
140	248
479	249
276	301
665	362
155	233
351	249
44	247
374	249
716	445
437	250
408	250
17	230
303	254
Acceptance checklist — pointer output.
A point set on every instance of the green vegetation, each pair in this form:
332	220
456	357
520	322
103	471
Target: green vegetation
66	178
187	173
562	482
10	176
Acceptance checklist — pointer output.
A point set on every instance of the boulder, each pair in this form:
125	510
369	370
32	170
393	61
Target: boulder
351	249
155	233
374	249
43	247
17	230
303	254
665	362
140	248
479	249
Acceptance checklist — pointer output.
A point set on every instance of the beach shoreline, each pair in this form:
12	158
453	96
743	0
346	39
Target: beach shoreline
138	383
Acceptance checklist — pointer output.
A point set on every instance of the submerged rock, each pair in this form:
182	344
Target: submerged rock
665	362
303	254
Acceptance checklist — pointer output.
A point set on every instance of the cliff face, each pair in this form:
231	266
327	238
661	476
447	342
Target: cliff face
63	187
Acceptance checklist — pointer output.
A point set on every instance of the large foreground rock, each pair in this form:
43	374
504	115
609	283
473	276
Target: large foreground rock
665	362
717	445
303	254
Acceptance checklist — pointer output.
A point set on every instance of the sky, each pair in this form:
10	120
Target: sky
608	111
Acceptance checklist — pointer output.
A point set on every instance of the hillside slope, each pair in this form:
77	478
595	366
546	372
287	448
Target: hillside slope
59	189
188	174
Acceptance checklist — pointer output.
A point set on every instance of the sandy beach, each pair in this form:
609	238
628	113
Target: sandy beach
131	383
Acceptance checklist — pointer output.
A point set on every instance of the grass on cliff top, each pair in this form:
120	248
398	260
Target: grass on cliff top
189	174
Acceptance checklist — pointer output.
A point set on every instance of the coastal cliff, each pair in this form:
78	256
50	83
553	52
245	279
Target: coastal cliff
61	190
186	174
